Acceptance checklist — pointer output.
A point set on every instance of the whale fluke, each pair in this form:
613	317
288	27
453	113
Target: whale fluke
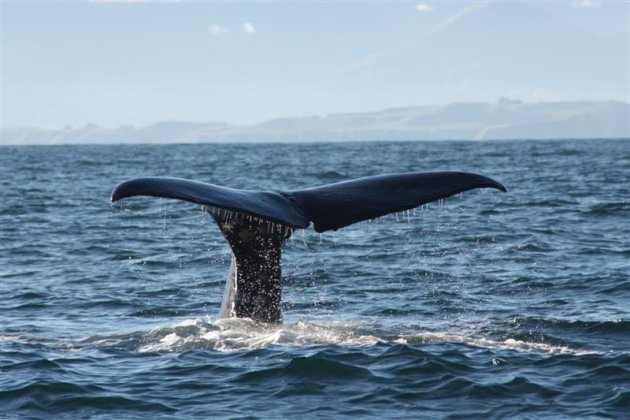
257	223
268	205
334	206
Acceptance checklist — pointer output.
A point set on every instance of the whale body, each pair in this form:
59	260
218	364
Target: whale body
257	223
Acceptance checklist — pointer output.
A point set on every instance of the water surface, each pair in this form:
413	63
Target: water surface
489	305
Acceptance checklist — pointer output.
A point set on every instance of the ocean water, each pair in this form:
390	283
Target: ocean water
487	305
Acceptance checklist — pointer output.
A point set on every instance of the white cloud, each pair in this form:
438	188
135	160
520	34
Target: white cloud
424	8
248	28
215	29
586	4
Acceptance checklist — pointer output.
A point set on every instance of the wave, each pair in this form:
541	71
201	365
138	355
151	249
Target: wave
523	334
621	208
58	397
616	326
228	335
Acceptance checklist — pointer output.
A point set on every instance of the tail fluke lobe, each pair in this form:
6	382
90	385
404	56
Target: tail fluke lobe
268	205
334	206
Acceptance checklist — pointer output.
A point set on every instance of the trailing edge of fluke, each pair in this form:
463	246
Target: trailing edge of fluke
257	223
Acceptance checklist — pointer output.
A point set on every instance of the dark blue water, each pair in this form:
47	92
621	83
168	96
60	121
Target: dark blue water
491	305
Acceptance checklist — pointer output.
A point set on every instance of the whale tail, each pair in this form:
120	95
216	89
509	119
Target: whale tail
257	223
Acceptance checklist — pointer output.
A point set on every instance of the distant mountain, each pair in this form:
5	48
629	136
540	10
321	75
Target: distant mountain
506	119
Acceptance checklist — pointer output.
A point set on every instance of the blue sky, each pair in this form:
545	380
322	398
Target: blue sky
139	62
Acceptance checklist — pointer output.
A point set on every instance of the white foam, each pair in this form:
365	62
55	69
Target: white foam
13	339
233	334
510	343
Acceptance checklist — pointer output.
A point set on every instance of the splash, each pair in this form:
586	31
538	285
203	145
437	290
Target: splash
234	334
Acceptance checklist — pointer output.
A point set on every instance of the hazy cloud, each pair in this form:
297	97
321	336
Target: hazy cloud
215	29
586	4
368	62
545	95
424	8
462	13
248	28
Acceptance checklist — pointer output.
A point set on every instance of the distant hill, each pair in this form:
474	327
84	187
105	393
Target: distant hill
506	119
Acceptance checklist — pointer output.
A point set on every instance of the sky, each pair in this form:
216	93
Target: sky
112	63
